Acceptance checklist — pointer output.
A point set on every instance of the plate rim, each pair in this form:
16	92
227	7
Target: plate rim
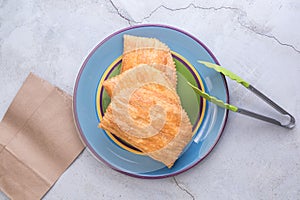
75	113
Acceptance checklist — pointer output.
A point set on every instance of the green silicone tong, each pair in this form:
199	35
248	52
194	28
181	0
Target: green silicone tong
233	108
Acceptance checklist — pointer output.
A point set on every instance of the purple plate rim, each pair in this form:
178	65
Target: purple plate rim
75	114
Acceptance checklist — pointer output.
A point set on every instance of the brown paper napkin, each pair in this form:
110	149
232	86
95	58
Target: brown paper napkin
38	140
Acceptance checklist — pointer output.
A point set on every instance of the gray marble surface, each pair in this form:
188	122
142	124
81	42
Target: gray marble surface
259	40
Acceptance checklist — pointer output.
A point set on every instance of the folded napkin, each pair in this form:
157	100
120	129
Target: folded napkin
38	140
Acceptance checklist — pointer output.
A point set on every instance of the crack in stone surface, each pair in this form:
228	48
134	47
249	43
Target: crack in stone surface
268	36
122	15
183	189
187	7
239	12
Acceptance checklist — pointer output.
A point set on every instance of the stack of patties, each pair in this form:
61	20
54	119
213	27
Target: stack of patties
145	110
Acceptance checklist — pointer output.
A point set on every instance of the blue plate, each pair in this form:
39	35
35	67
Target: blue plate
90	101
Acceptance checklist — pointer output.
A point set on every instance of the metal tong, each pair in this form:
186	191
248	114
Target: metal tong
233	108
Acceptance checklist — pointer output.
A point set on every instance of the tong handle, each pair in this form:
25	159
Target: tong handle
226	72
213	99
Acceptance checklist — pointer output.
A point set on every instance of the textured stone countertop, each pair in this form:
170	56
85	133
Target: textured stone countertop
259	40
